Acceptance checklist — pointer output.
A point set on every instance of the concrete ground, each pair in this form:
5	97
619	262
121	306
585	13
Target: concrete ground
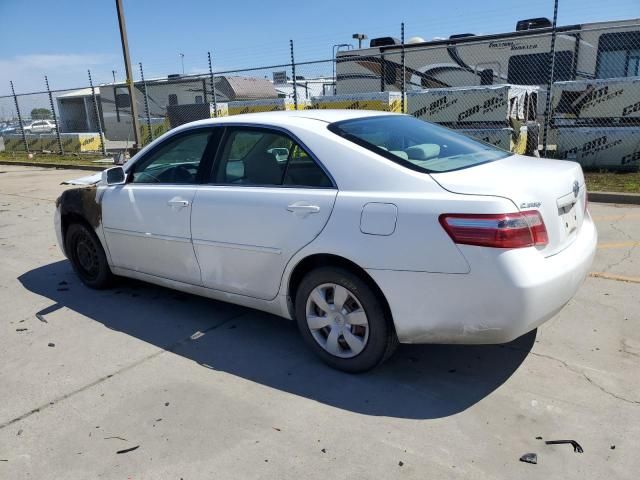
209	390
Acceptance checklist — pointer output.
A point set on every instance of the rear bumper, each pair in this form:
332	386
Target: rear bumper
507	293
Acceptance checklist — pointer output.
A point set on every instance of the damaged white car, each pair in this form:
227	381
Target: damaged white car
367	228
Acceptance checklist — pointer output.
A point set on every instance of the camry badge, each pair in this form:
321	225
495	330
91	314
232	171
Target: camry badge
530	205
576	189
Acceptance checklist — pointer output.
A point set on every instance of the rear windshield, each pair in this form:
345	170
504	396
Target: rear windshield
417	144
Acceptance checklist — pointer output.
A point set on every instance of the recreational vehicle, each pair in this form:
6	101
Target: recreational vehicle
585	51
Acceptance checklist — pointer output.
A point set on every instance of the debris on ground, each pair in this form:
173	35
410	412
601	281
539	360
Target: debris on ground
50	344
126	450
576	446
612	447
324	450
529	458
21	329
276	428
538	438
117	438
400	463
166	404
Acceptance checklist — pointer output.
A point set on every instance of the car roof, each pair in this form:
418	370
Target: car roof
325	115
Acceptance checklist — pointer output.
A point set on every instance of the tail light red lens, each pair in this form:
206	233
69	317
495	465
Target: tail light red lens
506	230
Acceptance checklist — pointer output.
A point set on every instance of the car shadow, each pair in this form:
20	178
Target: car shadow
418	382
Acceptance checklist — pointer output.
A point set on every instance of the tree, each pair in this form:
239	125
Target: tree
40	114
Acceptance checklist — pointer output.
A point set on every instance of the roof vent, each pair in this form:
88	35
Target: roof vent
383	41
533	23
413	40
461	35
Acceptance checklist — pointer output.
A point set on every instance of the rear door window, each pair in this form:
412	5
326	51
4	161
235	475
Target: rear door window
263	157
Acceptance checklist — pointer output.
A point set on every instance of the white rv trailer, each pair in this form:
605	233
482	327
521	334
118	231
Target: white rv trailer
584	51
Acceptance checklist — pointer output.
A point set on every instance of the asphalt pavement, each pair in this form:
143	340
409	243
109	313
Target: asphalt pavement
144	382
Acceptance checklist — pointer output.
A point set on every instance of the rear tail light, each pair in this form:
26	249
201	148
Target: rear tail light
507	230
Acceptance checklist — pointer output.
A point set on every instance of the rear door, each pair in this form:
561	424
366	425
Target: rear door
266	199
147	221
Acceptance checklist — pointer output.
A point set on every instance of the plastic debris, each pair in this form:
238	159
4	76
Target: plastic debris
529	458
126	450
576	446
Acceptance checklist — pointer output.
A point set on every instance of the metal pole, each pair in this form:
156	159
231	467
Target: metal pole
15	100
55	117
552	64
293	72
403	65
146	103
96	112
213	87
127	66
113	72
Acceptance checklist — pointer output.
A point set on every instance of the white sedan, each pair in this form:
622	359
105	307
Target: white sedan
40	126
375	229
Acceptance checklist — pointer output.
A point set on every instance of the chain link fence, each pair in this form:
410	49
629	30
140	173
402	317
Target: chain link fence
567	92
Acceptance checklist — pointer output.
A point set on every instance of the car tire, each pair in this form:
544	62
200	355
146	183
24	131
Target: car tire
84	250
333	298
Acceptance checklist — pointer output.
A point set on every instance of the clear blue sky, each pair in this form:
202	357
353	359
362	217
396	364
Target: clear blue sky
64	38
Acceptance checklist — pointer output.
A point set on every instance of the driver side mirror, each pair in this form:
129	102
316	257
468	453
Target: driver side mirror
114	176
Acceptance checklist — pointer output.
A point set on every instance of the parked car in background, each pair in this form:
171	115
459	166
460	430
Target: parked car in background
40	126
375	229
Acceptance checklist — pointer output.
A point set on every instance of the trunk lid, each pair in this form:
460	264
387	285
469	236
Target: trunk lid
555	188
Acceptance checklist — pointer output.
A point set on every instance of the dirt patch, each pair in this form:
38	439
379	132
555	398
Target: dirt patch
83	202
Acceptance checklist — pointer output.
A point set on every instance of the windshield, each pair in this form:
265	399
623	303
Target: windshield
417	144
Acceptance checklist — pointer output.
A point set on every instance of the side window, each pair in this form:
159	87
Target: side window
303	171
263	157
176	161
533	68
618	55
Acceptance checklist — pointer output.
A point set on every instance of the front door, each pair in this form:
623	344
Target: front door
147	221
267	198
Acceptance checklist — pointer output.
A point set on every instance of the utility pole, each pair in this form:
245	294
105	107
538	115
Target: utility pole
127	66
551	67
113	72
182	61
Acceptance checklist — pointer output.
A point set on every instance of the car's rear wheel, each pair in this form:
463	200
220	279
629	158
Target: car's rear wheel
343	320
87	256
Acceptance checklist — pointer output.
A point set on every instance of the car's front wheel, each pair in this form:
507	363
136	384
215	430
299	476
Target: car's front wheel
343	320
87	256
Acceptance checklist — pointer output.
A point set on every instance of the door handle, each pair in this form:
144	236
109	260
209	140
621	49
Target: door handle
302	207
178	203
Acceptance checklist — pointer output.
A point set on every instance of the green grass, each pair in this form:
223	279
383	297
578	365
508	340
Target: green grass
52	158
628	182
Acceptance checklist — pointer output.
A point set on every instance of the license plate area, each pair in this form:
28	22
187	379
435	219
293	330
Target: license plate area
569	218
